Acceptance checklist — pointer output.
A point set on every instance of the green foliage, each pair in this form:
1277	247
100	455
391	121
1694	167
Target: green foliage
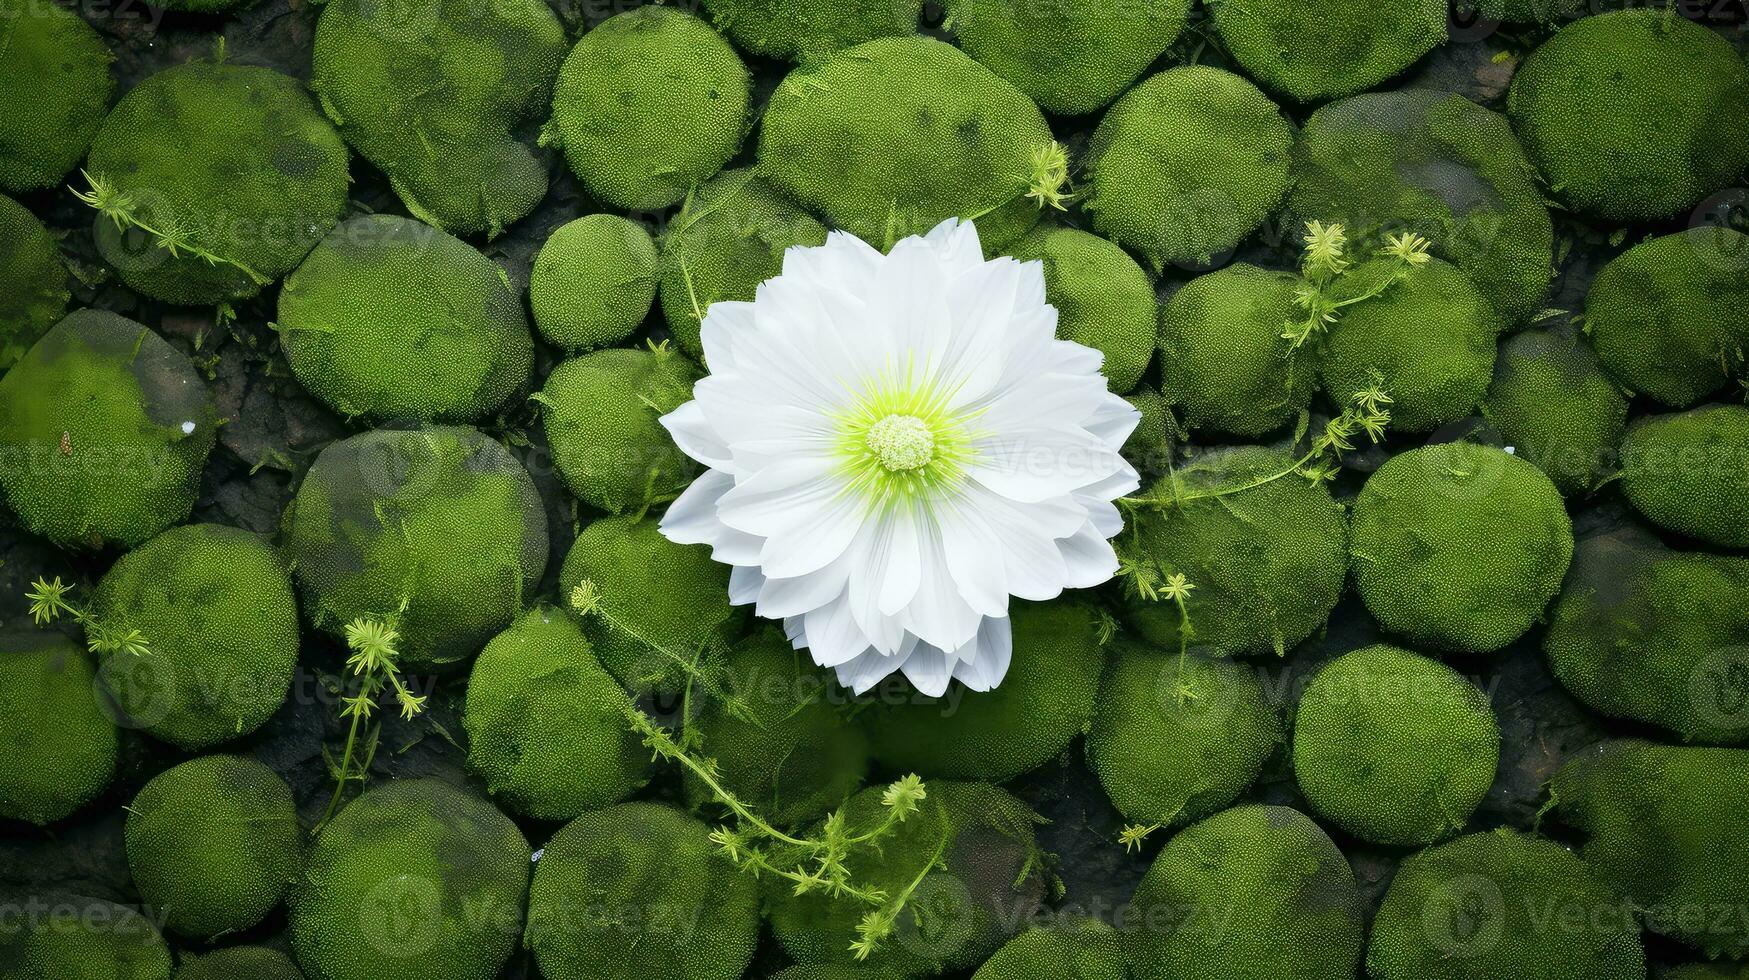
874	141
593	282
649	103
1082	949
414	880
239	963
1186	164
1551	401
57	747
602	417
1458	546
1223	360
81	938
373	671
1149	448
808	30
1634	115
1686	472
106	428
1502	904
390	319
58	83
1103	298
1393	747
1255	892
213	844
443	98
33	281
1705	971
1316	51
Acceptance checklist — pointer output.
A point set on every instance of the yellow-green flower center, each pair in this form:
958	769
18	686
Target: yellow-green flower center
901	442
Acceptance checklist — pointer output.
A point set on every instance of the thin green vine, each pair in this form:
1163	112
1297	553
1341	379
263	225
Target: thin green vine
49	602
1325	266
120	207
373	663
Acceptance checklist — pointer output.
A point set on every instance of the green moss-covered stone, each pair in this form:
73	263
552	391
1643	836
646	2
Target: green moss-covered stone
807	30
239	963
58	83
215	606
213	844
1103	298
33	281
1082	949
1070	58
1551	401
593	282
437	527
1186	165
1686	472
389	318
834	971
1255	892
1148	448
636	891
57	746
237	161
443	97
547	726
649	103
1477	909
104	430
1393	747
602	419
67	937
1315	51
1458	546
1705	971
1173	742
1223	361
889	138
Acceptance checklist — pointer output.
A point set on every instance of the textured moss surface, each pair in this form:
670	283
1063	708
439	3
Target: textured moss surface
57	747
1223	361
1103	298
239	963
1084	949
33	281
807	30
1687	472
593	282
1315	51
602	417
1552	402
1070	58
58	83
84	938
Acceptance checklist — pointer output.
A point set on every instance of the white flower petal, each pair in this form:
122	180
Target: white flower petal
988	664
696	437
833	636
866	670
745	582
1088	558
929	670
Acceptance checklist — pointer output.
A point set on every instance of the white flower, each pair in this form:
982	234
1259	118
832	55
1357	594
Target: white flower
897	444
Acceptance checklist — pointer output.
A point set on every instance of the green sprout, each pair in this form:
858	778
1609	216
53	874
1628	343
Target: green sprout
373	643
1325	266
168	232
1050	177
49	602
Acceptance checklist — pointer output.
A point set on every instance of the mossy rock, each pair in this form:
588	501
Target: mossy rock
593	282
1393	747
1634	115
439	528
892	137
105	428
1103	298
1459	547
1223	361
1476	909
1078	949
444	98
1044	702
58	83
649	103
213	844
1552	402
391	319
1436	164
640	890
58	747
33	281
1316	51
834	971
1705	971
1656	636
547	726
1255	892
1187	164
1149	448
808	30
603	414
235	160
1527	11
1686	472
75	938
414	880
216	608
239	963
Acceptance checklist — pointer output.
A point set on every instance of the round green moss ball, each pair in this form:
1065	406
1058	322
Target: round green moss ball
1526	11
1030	718
603	422
890	138
1315	51
237	161
779	732
1223	361
1070	58
1083	949
1148	448
1431	338
807	30
444	98
1551	401
440	528
639	890
1686	472
1663	828
1458	546
649	103
57	746
215	605
1186	165
1173	742
58	83
730	237
1477	909
1645	633
65	937
969	858
1634	115
654	603
547	726
1439	165
389	318
1103	299
213	844
1252	893
414	880
1667	314
239	963
33	281
1393	747
1267	562
104	429
593	282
